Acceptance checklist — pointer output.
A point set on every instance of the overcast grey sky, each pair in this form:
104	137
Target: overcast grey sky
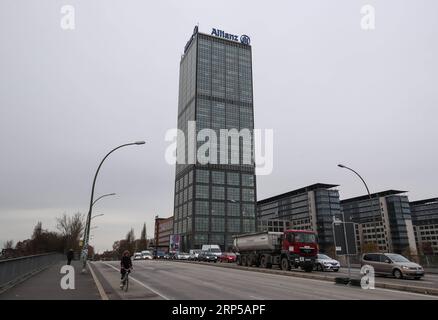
331	91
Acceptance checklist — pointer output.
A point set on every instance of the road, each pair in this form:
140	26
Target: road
174	280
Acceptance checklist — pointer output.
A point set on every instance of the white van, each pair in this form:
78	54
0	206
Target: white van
212	248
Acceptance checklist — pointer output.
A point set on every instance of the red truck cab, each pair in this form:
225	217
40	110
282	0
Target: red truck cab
299	248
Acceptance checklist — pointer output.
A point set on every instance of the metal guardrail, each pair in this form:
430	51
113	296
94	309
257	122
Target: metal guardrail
15	269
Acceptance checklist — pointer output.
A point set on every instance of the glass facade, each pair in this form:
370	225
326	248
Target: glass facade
386	218
308	208
215	200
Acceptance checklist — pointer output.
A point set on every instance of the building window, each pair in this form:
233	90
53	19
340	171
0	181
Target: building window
202	176
233	225
233	209
248	180
217	239
218	177
248	225
217	224
189	208
189	225
190	193
233	194
201	239
201	207
217	208
218	193
248	210
248	194
201	191
201	223
191	177
186	180
233	179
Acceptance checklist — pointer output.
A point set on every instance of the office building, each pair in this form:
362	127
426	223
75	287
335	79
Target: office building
386	217
217	199
425	220
309	208
273	225
162	233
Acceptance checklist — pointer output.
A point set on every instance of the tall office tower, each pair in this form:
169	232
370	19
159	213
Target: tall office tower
215	199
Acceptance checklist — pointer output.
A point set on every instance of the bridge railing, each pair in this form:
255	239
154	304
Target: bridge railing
15	269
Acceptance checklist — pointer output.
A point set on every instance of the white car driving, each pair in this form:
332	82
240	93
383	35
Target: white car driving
325	263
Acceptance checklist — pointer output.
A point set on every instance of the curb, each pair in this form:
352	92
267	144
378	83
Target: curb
309	275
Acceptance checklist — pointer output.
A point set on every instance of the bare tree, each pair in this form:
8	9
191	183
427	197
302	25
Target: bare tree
71	228
8	244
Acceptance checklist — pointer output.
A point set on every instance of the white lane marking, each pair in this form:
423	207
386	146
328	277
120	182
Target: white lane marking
140	283
98	284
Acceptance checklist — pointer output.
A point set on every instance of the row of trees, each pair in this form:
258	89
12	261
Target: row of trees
129	243
69	231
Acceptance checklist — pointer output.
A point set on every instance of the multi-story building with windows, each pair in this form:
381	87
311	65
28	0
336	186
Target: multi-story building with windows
273	225
163	231
386	217
309	208
214	199
425	220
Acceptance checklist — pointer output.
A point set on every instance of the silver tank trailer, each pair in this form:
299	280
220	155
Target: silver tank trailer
257	241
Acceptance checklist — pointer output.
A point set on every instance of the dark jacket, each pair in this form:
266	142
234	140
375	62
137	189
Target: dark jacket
70	255
126	262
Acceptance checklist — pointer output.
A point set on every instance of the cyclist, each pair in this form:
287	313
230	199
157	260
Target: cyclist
125	265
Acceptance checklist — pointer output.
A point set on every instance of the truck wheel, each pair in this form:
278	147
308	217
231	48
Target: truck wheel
263	262
285	264
244	261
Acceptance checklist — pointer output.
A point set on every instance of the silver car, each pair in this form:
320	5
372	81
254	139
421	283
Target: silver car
325	263
392	264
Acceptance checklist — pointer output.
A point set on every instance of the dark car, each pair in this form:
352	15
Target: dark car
159	255
207	256
227	257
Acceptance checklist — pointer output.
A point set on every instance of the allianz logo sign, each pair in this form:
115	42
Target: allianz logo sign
244	39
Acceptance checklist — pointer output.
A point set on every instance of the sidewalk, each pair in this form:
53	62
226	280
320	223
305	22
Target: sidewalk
46	285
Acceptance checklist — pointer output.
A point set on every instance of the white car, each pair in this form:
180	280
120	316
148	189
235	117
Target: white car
182	256
146	255
138	256
325	263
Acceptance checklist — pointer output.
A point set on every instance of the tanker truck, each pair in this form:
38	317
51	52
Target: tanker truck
291	248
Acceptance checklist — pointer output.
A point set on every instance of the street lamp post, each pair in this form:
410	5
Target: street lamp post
103	196
371	202
98	215
90	210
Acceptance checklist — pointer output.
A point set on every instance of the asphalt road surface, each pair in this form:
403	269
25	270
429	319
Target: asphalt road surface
174	280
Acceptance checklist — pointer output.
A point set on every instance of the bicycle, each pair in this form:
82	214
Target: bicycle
125	281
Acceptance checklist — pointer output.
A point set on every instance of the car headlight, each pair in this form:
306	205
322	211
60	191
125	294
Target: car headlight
325	262
405	267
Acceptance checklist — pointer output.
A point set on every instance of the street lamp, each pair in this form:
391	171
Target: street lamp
97	215
103	196
87	226
371	202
